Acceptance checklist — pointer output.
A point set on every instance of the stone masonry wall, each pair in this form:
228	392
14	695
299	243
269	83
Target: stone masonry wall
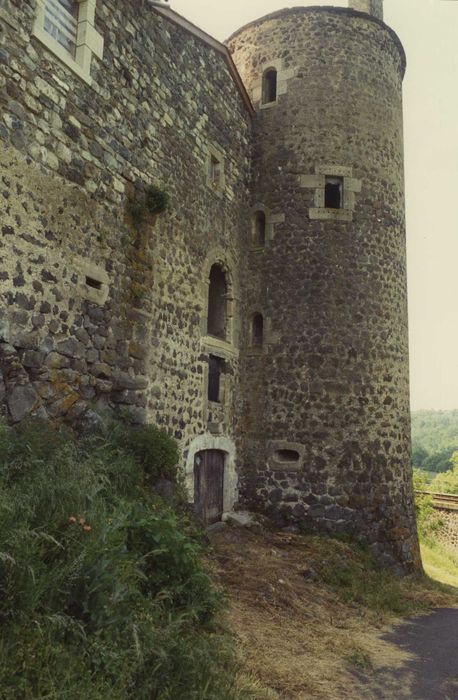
71	155
448	532
331	446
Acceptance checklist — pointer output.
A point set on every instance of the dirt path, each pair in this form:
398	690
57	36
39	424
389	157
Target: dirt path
299	641
429	671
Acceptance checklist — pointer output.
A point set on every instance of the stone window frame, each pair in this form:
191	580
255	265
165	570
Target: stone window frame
214	153
268	86
220	408
88	43
226	349
317	182
99	295
283	76
230	341
271	221
275	446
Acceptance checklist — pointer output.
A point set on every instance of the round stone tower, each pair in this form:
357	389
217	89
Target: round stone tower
326	420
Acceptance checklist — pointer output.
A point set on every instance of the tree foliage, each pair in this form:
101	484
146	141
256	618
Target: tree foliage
434	439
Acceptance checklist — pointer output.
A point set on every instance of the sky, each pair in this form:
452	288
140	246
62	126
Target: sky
429	31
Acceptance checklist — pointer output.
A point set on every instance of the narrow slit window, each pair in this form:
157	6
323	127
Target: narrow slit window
269	86
333	193
259	228
215	171
217	303
61	22
287	455
93	283
215	370
257	331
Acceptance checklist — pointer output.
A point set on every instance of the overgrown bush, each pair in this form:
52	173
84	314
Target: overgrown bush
429	521
102	591
146	201
152	448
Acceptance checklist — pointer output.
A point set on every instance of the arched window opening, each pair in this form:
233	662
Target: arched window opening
269	86
259	228
217	303
333	193
257	331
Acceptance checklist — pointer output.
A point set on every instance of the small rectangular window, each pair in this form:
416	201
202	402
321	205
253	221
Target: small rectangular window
95	284
215	370
333	193
215	171
61	22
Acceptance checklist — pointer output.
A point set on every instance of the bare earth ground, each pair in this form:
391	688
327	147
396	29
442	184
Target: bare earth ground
298	641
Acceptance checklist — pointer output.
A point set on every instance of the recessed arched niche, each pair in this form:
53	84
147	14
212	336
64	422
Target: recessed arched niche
257	330
269	86
259	228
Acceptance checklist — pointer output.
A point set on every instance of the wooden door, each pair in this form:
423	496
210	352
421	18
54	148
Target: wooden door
209	485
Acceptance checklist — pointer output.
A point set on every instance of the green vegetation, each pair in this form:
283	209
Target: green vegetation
361	660
440	563
447	482
429	521
434	439
103	593
146	201
360	579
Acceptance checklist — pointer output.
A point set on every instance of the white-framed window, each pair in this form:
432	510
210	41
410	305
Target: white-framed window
61	22
66	27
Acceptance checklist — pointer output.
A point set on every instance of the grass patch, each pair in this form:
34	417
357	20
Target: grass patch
361	660
353	572
440	563
357	578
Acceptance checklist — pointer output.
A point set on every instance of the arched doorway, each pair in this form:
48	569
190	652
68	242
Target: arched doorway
209	485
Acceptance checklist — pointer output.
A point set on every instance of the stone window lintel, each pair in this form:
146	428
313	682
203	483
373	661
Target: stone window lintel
334	170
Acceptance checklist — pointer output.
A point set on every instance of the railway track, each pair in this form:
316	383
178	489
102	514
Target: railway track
447	501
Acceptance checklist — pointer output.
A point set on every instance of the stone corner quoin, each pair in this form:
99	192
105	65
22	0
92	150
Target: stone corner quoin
262	318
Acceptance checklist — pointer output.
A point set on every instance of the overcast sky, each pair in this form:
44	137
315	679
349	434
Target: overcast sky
429	32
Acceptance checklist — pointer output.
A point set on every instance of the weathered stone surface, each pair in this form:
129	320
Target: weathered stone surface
98	308
21	401
334	376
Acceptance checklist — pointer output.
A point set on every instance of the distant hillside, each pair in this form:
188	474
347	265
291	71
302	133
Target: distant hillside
434	439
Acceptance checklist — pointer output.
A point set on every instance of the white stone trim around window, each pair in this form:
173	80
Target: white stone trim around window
284	75
88	41
317	182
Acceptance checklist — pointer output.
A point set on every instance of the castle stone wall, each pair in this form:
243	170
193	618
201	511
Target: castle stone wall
101	311
71	155
331	446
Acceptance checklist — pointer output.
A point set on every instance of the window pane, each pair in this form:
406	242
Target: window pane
61	22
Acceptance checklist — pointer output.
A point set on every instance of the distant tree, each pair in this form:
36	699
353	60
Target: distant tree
435	430
419	456
440	461
447	482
